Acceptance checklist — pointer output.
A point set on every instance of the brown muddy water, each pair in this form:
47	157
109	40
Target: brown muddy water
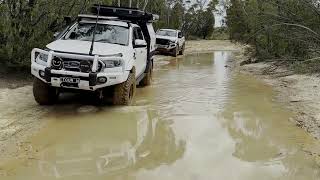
199	120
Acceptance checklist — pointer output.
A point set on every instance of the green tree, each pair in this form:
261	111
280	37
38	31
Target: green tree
177	15
200	22
206	23
279	30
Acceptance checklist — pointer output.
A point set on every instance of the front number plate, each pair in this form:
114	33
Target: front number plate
70	80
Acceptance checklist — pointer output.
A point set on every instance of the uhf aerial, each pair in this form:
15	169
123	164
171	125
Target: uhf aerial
95	31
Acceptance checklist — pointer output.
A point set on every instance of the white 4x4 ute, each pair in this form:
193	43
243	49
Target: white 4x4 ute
109	53
170	41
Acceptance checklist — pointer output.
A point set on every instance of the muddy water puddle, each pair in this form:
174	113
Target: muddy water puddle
199	120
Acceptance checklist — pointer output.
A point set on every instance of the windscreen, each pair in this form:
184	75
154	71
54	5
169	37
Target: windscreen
167	33
105	33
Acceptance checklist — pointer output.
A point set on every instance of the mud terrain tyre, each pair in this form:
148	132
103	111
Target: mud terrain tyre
43	93
124	93
146	81
175	52
181	52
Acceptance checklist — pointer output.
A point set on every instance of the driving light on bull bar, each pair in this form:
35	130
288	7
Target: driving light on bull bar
102	80
112	63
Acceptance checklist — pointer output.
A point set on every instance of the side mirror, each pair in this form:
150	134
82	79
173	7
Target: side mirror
73	35
180	35
138	43
67	20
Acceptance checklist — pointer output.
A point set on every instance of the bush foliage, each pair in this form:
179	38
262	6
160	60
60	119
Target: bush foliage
278	30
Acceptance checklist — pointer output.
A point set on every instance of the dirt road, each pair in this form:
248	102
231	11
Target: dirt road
200	119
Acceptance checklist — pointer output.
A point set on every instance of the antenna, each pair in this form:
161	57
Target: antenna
95	31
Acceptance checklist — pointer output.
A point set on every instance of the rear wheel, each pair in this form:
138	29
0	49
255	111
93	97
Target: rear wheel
43	93
124	93
146	81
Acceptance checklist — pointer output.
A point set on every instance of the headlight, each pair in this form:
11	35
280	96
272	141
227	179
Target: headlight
43	57
112	63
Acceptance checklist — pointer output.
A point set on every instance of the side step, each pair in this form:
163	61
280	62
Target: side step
139	79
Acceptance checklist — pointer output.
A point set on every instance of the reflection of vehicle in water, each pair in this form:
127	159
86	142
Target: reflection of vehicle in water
139	141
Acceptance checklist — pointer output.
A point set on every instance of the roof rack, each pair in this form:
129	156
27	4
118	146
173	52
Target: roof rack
124	13
90	16
83	17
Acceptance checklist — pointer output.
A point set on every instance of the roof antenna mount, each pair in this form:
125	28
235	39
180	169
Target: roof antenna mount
95	31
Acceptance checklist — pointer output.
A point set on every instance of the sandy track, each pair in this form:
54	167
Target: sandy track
20	117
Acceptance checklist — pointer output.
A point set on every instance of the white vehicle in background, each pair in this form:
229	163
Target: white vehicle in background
170	41
108	52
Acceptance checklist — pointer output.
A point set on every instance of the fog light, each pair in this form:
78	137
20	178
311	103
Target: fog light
42	74
102	80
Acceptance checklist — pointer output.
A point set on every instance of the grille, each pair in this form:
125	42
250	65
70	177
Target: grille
75	65
163	41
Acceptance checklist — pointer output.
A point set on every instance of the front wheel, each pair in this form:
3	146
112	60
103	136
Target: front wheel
175	52
124	93
181	52
43	93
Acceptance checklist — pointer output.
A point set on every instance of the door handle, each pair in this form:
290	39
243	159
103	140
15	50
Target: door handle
134	56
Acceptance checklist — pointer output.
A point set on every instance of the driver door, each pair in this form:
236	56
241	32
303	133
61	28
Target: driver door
140	52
